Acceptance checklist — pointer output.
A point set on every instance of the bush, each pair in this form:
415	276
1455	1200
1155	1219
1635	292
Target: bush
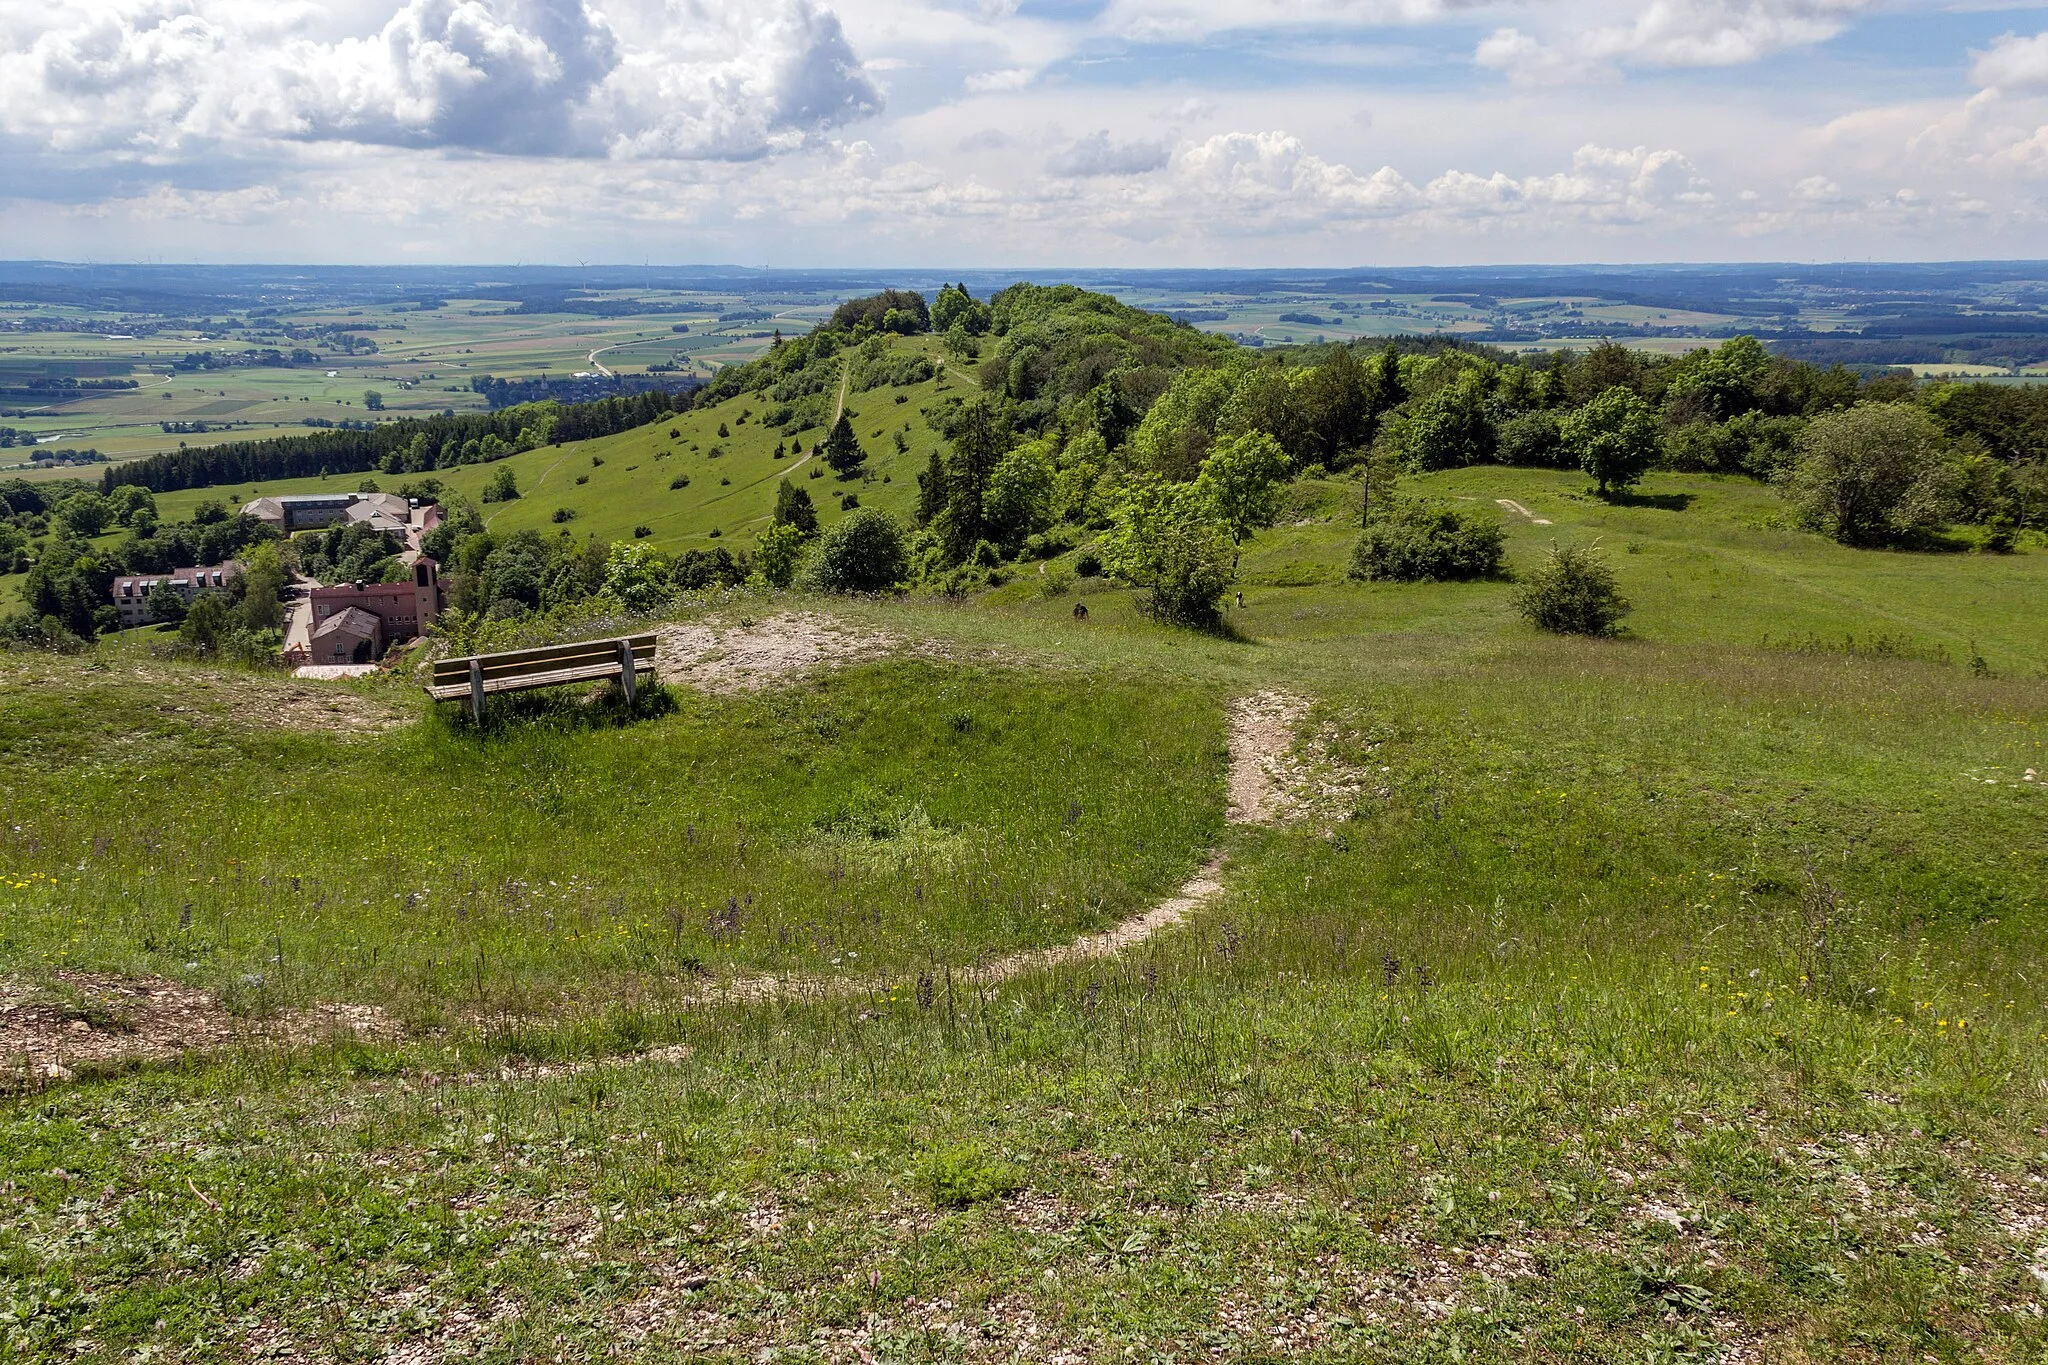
679	481
563	514
1088	564
642	532
1420	542
956	1177
863	553
1572	592
1874	474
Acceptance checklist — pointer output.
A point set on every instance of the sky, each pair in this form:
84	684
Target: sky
1029	133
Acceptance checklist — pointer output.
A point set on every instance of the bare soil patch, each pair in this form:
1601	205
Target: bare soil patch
1262	728
73	1021
744	655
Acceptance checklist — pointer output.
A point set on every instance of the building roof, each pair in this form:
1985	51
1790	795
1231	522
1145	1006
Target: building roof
227	571
349	621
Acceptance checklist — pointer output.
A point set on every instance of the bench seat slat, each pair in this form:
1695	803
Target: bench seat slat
518	662
521	681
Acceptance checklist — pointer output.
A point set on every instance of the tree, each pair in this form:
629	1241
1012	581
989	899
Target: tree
980	438
1241	480
955	307
131	500
1448	429
637	575
778	554
373	400
1167	538
1572	592
1873	474
793	509
1176	432
1018	502
1337	399
263	582
503	487
164	602
842	448
208	512
87	514
1387	390
864	552
1614	438
209	621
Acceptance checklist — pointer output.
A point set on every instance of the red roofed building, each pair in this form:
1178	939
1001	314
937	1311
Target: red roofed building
403	610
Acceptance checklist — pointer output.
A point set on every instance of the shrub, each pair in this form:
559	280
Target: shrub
1572	592
1088	564
1420	542
563	514
862	553
642	532
582	479
956	1177
1873	474
679	481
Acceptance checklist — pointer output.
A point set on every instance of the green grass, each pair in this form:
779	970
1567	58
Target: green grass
732	492
1653	999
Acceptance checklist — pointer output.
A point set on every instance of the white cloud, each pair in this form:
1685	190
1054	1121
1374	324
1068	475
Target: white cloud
2014	63
1667	33
687	78
1099	154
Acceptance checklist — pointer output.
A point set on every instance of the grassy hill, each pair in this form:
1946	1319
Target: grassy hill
626	479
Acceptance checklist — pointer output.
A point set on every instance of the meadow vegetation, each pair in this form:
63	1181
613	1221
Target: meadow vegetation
1644	988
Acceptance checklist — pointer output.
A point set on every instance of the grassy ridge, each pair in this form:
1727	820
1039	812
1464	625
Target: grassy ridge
631	488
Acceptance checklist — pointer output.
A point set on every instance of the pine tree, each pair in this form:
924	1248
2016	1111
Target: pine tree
793	508
842	448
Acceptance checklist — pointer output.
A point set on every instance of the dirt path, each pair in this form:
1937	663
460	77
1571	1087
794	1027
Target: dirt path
1262	730
1514	506
80	1020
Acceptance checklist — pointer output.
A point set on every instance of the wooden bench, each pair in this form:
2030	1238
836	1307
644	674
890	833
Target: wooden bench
477	676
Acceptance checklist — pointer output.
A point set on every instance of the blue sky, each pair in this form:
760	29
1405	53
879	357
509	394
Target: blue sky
1022	132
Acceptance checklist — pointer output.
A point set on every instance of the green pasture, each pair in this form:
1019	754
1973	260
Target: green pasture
1665	998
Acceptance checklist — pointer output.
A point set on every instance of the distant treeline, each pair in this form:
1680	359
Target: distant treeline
409	446
505	393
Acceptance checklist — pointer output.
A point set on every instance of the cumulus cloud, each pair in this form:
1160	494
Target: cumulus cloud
1099	154
1668	33
161	81
2014	63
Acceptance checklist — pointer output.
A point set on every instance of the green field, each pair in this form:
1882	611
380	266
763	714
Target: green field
1662	998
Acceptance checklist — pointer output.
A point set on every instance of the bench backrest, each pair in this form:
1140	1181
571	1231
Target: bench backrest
519	663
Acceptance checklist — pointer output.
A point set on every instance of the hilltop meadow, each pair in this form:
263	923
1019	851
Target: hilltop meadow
1510	864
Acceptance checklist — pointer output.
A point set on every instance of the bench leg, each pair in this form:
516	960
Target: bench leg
626	669
476	690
